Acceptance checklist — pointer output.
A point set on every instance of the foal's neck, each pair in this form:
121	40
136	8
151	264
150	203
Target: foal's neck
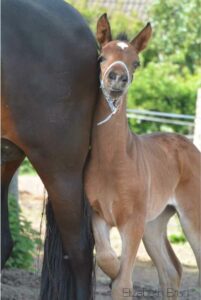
112	139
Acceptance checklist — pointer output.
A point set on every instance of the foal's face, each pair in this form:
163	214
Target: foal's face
119	59
117	76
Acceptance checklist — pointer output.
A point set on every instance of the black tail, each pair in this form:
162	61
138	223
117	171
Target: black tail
56	277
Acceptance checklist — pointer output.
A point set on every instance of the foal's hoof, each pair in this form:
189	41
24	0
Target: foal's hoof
109	263
122	290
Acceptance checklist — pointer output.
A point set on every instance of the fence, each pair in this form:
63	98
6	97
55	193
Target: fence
163	117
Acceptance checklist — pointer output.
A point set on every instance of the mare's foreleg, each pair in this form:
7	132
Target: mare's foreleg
105	255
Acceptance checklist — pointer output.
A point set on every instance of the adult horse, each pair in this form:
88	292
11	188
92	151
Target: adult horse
49	87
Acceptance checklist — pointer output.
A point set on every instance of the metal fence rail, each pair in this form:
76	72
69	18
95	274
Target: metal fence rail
161	117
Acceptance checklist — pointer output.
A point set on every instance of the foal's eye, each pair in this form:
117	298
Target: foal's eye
136	64
101	59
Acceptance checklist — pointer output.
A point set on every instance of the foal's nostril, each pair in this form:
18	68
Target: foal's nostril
124	78
112	75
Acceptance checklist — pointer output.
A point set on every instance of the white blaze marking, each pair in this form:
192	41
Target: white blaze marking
122	45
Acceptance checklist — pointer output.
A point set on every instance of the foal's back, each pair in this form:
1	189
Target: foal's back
172	152
171	161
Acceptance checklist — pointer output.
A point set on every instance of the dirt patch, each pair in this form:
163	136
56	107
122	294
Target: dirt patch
19	285
23	285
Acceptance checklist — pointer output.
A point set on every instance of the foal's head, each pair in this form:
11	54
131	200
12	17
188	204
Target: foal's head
118	59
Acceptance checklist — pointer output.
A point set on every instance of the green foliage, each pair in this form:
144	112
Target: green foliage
176	29
177	238
118	20
177	32
26	240
26	168
130	24
175	233
162	87
90	14
169	79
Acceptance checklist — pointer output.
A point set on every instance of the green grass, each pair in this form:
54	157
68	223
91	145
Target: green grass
175	232
177	238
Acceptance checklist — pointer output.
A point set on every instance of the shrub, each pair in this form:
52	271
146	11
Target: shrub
169	79
26	240
161	87
177	32
120	22
27	168
177	238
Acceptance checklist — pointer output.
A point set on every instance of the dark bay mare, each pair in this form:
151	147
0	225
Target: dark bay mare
49	87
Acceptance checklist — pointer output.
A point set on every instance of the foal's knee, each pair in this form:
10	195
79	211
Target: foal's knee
109	263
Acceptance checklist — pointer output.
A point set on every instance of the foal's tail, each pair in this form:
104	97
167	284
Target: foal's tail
56	278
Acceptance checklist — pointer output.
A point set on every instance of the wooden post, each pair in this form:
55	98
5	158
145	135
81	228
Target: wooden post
197	132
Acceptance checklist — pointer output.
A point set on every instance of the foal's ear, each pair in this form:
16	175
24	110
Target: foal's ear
141	40
103	33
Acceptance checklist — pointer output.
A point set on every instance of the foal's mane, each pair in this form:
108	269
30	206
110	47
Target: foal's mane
122	36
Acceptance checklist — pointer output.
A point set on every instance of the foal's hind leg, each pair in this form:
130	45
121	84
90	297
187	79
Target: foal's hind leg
11	157
105	255
188	198
158	247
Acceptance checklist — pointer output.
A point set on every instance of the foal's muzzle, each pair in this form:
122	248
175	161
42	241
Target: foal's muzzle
116	79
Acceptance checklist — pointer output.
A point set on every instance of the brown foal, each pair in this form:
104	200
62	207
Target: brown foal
137	183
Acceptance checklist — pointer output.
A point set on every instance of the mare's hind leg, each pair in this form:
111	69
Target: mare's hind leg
11	157
158	247
65	191
105	255
188	199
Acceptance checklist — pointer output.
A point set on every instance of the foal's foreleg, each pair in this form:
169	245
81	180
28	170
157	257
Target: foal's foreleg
105	255
131	235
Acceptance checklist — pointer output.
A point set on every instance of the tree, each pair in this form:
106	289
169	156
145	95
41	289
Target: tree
177	33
